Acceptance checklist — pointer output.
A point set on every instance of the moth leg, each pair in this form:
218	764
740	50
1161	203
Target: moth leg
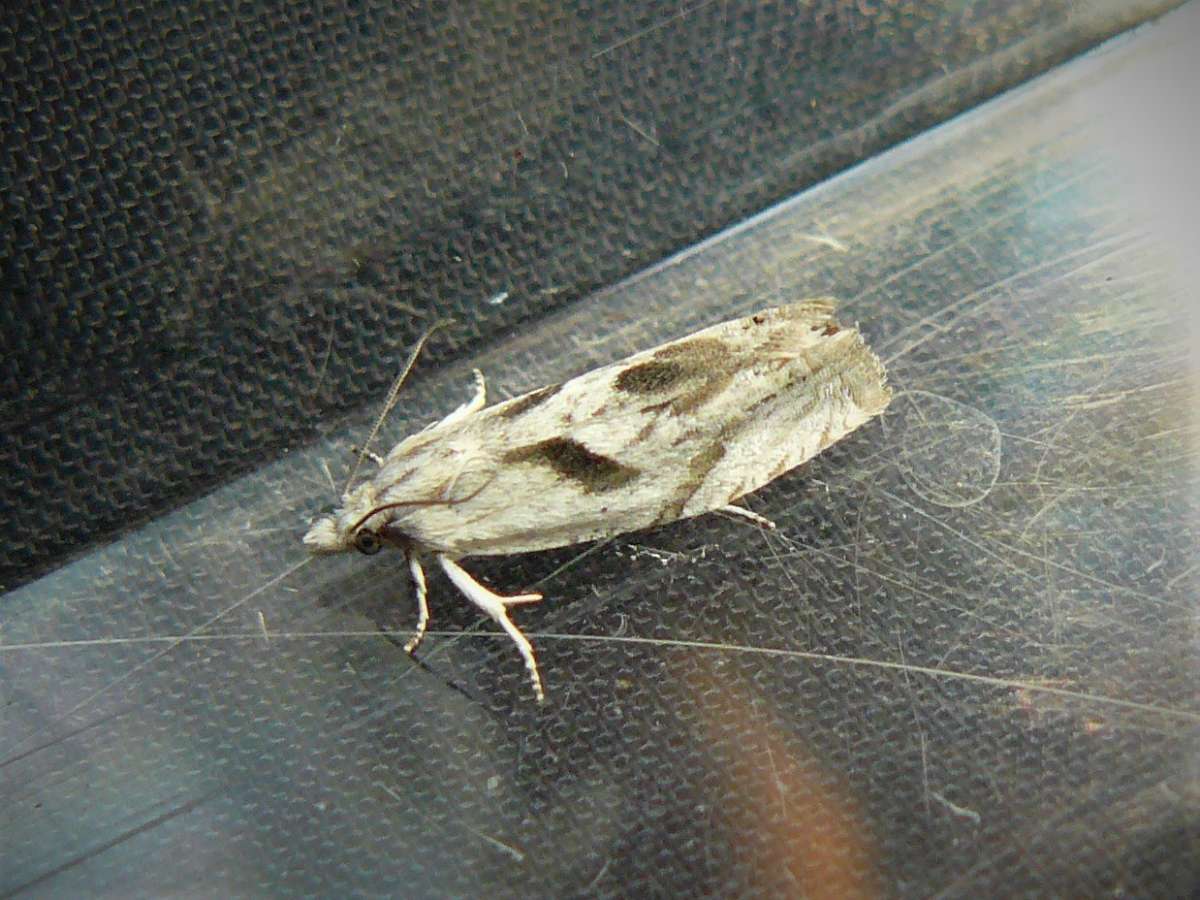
479	401
418	577
497	607
749	515
472	406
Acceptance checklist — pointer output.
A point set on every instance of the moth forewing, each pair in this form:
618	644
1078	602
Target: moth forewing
675	431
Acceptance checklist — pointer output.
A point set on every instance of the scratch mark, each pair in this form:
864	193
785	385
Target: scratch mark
238	538
1033	557
329	474
1054	501
1182	715
1158	563
599	875
1182	575
960	811
324	363
175	642
997	290
1099	401
650	29
825	240
1045	445
1169	432
148	825
507	849
639	130
780	787
925	772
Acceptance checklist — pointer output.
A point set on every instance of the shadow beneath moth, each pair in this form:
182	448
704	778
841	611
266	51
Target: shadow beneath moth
675	431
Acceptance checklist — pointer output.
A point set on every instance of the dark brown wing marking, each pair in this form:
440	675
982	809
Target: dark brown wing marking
523	404
570	459
697	353
675	366
689	373
652	377
698	468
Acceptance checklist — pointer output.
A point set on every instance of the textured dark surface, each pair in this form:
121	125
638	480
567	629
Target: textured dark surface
965	664
222	221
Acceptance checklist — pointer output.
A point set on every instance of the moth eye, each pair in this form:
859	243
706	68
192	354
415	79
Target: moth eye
367	542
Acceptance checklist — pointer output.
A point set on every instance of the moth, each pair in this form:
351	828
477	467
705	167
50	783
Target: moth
681	429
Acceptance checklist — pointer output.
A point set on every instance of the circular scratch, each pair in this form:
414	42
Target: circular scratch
949	452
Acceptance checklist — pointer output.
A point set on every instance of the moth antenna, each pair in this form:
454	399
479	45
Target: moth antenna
400	504
390	401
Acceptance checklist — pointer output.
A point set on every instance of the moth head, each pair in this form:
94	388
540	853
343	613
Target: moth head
362	523
323	536
346	527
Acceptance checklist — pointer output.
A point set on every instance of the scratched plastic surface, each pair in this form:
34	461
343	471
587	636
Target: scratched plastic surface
965	664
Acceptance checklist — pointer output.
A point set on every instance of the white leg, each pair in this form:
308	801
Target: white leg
479	401
418	576
497	607
749	515
474	405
